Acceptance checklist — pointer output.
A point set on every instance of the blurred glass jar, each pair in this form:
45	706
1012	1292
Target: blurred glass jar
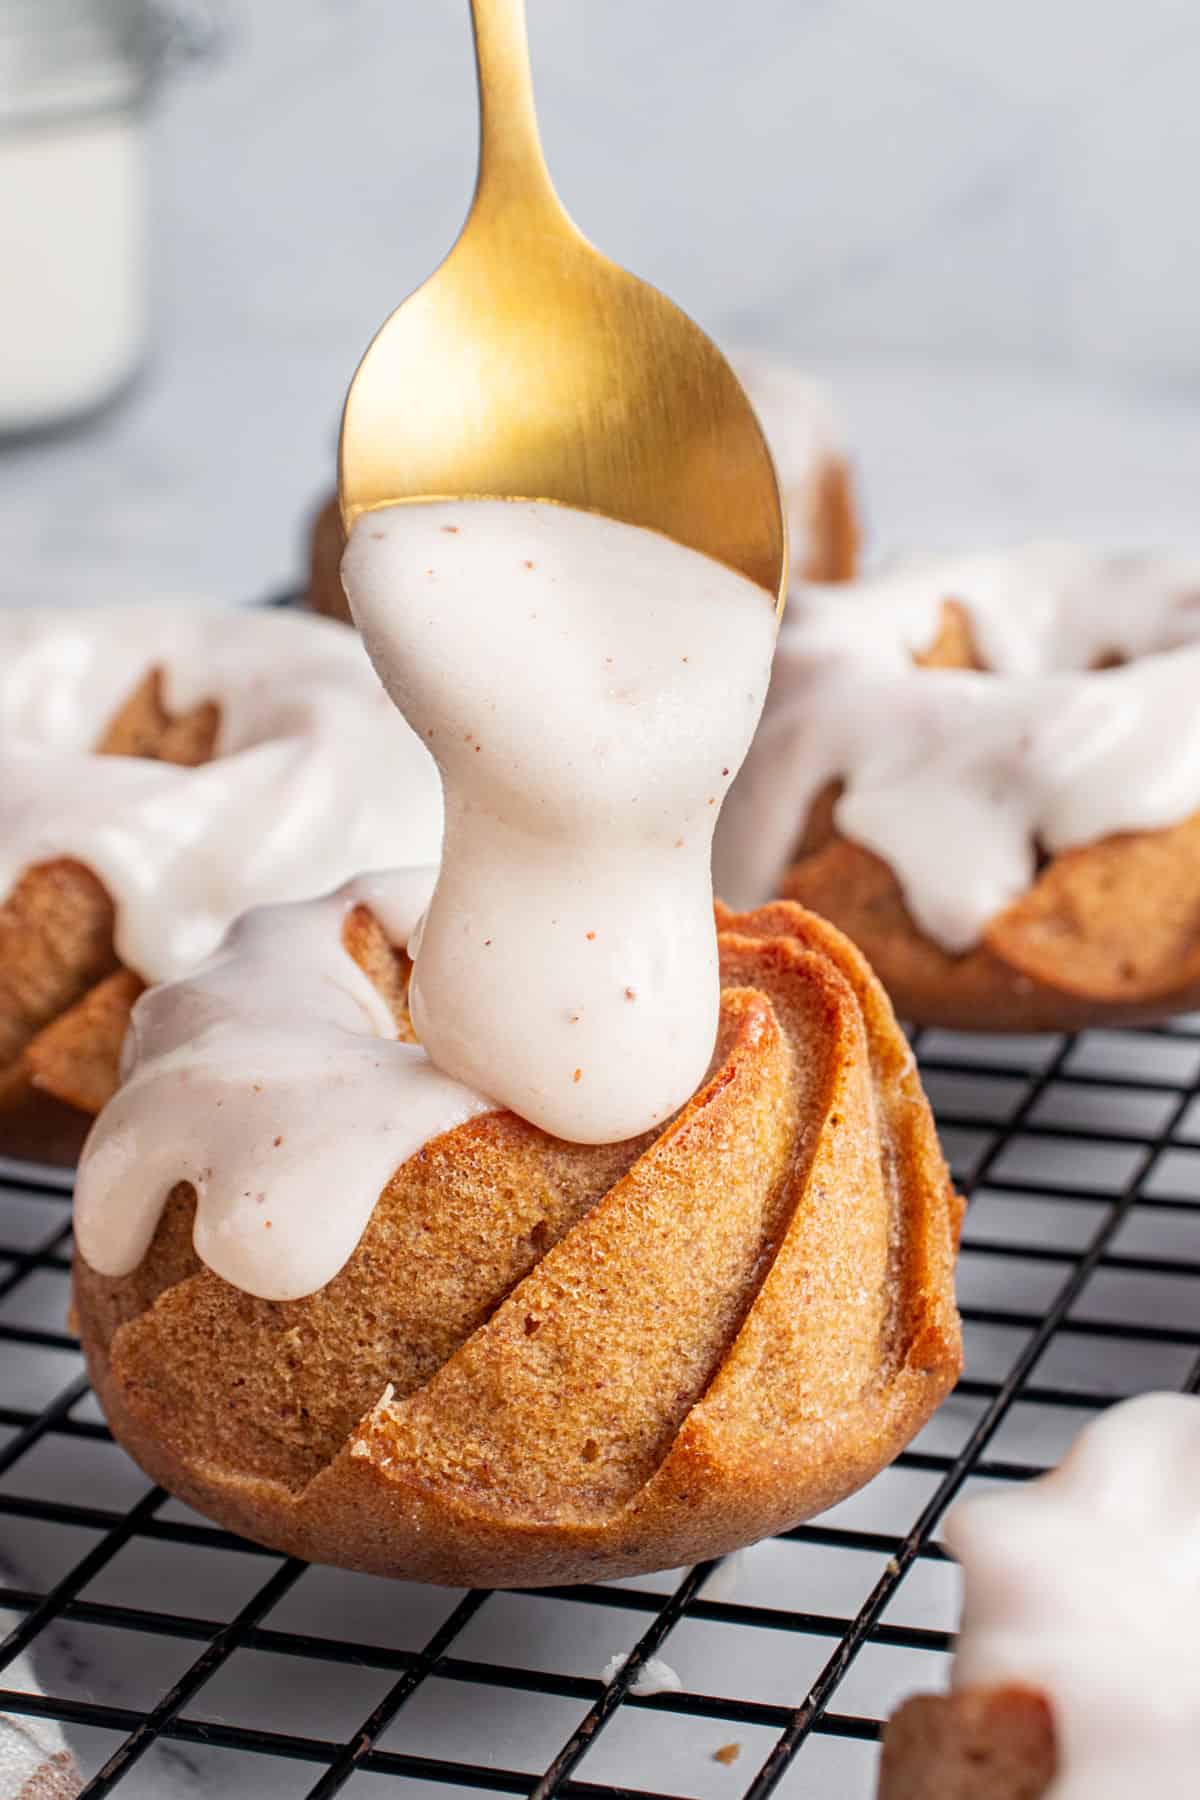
75	79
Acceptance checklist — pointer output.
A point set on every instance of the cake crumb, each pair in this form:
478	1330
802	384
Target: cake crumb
590	936
528	565
728	1753
452	529
578	1075
631	993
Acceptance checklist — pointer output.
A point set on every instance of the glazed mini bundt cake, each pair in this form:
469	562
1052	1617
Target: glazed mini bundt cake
589	1241
1075	1676
523	1360
160	770
987	772
811	460
814	470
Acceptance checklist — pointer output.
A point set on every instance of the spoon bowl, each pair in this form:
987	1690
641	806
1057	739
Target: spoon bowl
530	366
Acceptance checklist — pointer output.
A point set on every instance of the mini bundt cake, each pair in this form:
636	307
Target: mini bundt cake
987	772
160	770
1075	1673
814	474
986	1744
523	1360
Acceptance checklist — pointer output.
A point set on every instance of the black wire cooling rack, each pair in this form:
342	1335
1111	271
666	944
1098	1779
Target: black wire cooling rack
182	1661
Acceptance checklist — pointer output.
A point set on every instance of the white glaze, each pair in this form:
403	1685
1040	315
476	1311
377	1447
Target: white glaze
654	1677
797	415
952	775
315	775
588	690
272	1080
1085	1585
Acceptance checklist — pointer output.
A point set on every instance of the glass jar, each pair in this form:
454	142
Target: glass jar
75	78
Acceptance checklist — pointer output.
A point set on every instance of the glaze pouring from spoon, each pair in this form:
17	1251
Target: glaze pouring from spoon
529	365
589	692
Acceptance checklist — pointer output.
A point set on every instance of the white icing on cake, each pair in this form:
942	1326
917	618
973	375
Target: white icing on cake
315	776
272	1080
954	776
588	690
1085	1586
801	427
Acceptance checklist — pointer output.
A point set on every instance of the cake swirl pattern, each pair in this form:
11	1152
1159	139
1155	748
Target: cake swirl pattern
545	1360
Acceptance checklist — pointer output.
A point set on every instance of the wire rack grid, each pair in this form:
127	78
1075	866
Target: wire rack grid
182	1661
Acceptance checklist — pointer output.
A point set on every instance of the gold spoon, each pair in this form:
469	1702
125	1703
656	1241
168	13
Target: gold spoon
530	366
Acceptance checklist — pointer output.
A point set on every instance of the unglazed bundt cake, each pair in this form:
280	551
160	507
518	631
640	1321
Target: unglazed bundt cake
1075	1673
528	1360
160	770
646	1247
813	465
987	772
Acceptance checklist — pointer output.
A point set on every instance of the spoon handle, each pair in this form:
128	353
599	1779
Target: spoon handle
512	168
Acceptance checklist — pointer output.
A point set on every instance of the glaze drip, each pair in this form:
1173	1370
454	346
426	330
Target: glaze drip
955	776
1085	1585
314	778
271	1080
588	690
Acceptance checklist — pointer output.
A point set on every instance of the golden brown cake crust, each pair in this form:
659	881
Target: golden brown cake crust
981	1744
548	1362
64	997
326	543
1107	935
834	537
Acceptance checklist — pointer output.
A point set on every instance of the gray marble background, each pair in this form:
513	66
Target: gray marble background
976	219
